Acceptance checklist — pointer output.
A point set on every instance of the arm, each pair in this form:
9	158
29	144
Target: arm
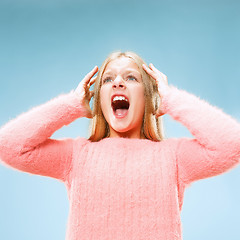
216	147
25	142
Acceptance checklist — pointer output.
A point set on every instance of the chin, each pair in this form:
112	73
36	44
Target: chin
121	129
126	131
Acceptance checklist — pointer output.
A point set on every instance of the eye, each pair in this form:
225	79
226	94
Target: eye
131	78
107	79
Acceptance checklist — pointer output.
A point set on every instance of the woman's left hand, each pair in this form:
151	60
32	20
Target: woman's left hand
161	81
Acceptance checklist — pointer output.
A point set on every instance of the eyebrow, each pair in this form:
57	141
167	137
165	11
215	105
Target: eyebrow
128	70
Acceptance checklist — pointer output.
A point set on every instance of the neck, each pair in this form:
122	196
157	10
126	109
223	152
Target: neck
127	134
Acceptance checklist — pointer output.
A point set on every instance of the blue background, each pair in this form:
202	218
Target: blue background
47	47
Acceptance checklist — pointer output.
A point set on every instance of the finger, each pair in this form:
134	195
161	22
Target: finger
89	115
91	94
88	77
163	76
154	68
157	71
92	81
159	113
148	70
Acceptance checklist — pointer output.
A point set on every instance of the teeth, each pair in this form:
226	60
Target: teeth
119	98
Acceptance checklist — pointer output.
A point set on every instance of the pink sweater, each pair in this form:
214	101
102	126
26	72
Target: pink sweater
123	189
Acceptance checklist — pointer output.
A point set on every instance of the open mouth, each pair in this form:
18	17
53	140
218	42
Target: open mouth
120	106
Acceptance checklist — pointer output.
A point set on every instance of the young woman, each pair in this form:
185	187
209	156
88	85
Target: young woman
125	181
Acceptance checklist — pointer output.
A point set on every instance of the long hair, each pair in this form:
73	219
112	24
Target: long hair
151	126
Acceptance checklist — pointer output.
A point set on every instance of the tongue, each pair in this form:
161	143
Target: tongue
121	112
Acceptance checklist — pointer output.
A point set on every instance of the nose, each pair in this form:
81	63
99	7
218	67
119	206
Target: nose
119	83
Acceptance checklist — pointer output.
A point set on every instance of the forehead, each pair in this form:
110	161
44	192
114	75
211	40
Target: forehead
121	64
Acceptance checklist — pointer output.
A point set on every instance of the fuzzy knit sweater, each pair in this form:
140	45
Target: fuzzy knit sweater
123	189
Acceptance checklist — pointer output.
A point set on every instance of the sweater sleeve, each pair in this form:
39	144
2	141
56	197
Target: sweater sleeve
215	147
25	142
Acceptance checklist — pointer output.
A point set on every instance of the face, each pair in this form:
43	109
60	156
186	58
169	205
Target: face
122	98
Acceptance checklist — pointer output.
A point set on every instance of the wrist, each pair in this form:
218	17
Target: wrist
166	94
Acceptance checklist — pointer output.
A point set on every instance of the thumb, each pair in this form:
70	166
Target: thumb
89	114
159	112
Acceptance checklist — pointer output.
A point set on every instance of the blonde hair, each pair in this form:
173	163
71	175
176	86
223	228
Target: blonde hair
151	126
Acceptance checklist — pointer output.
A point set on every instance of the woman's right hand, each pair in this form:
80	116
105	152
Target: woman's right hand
84	94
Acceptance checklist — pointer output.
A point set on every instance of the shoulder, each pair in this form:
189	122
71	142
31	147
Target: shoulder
171	143
80	141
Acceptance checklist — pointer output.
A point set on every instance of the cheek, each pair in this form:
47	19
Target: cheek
140	97
141	102
103	100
